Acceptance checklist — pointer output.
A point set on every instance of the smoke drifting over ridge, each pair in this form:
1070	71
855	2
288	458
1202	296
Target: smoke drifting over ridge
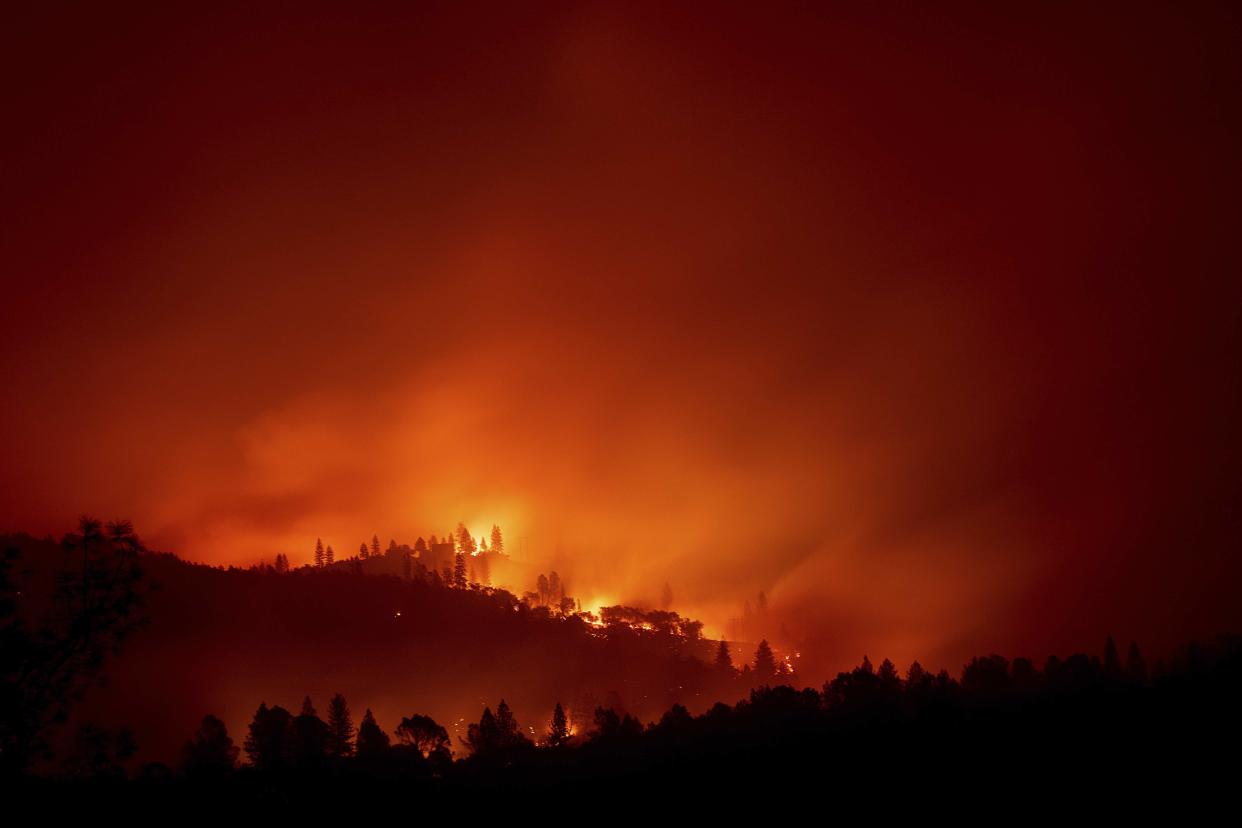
927	328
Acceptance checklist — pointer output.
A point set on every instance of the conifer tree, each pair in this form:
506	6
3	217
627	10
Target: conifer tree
724	660
328	556
375	547
498	541
459	571
319	553
558	733
765	663
363	552
340	728
372	742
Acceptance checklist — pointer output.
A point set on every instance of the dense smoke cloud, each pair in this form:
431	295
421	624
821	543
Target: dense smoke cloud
922	328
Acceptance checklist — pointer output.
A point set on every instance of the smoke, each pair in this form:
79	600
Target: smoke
897	325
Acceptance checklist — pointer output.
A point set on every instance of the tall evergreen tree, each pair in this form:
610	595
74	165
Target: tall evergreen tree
375	547
329	556
363	552
340	728
465	543
270	739
319	553
372	741
765	663
558	733
724	660
459	571
498	540
310	744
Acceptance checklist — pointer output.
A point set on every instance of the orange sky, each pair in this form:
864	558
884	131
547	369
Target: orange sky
925	324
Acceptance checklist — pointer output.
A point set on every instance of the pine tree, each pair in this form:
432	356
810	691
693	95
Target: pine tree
765	663
375	547
372	742
340	728
328	556
498	541
319	553
363	552
724	660
465	543
558	734
459	571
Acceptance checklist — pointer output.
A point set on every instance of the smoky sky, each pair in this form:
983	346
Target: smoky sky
925	322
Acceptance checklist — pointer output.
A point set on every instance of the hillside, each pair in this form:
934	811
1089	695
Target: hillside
222	641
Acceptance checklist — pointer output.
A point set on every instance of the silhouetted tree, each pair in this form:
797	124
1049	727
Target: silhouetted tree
765	663
482	737
495	734
375	546
498	541
50	655
426	735
459	571
558	733
329	556
465	543
611	725
724	660
887	674
340	728
311	736
270	740
986	677
211	752
319	552
372	741
363	552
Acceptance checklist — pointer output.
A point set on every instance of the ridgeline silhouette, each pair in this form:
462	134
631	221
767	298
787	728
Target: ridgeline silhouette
1000	728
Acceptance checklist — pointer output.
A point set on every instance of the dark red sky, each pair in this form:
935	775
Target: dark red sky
924	322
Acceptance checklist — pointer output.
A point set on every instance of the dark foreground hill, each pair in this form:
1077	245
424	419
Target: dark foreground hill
222	641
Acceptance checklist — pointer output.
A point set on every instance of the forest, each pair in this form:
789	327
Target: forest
632	697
